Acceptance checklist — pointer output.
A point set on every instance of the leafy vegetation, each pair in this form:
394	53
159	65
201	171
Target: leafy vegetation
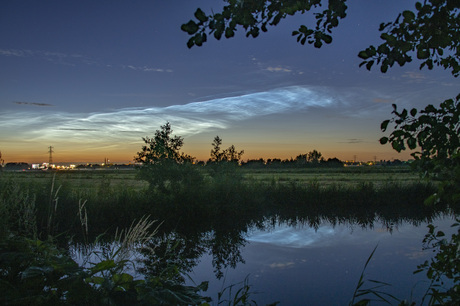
257	16
443	269
429	32
435	133
39	272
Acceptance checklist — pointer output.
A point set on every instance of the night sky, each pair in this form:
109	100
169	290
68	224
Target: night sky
91	78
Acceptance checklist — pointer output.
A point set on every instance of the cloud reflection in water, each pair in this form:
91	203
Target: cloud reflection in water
295	237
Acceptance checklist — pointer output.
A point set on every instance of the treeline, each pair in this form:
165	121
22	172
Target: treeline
16	166
164	149
291	163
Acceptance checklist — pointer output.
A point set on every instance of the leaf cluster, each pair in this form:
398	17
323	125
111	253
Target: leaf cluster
431	32
435	131
443	267
257	15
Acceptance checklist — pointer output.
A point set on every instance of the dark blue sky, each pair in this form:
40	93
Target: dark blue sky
92	77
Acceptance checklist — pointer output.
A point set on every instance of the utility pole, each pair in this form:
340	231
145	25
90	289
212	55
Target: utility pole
50	151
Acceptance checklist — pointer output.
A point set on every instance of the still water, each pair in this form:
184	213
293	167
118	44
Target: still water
300	265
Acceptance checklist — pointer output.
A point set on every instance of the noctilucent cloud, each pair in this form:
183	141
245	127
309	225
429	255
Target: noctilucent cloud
91	78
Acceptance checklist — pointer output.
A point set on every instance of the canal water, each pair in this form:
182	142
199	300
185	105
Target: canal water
296	264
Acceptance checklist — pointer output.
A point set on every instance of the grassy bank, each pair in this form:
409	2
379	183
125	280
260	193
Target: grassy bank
115	198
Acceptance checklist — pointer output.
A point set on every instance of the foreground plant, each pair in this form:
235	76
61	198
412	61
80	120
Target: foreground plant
242	296
40	273
375	291
443	270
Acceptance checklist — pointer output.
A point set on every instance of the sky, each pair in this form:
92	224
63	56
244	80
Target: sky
91	78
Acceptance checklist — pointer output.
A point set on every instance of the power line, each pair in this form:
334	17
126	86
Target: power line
50	151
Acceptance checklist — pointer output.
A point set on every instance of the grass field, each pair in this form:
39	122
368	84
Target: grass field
348	176
114	198
342	176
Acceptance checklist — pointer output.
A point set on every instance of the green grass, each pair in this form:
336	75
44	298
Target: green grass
328	177
350	176
116	198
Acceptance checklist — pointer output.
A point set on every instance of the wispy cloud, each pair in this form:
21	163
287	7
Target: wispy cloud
128	125
74	59
380	100
55	57
414	75
69	129
17	53
32	103
281	265
353	140
146	69
278	69
273	67
417	77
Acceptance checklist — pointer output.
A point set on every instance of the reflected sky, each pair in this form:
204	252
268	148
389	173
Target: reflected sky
303	266
287	236
303	236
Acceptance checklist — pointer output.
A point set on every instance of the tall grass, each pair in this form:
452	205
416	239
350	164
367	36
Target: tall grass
17	210
58	205
39	272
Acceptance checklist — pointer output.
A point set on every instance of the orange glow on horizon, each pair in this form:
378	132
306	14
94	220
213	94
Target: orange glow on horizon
202	153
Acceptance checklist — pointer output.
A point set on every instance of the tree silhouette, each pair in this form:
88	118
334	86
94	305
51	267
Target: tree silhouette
216	154
162	164
161	147
314	157
227	155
